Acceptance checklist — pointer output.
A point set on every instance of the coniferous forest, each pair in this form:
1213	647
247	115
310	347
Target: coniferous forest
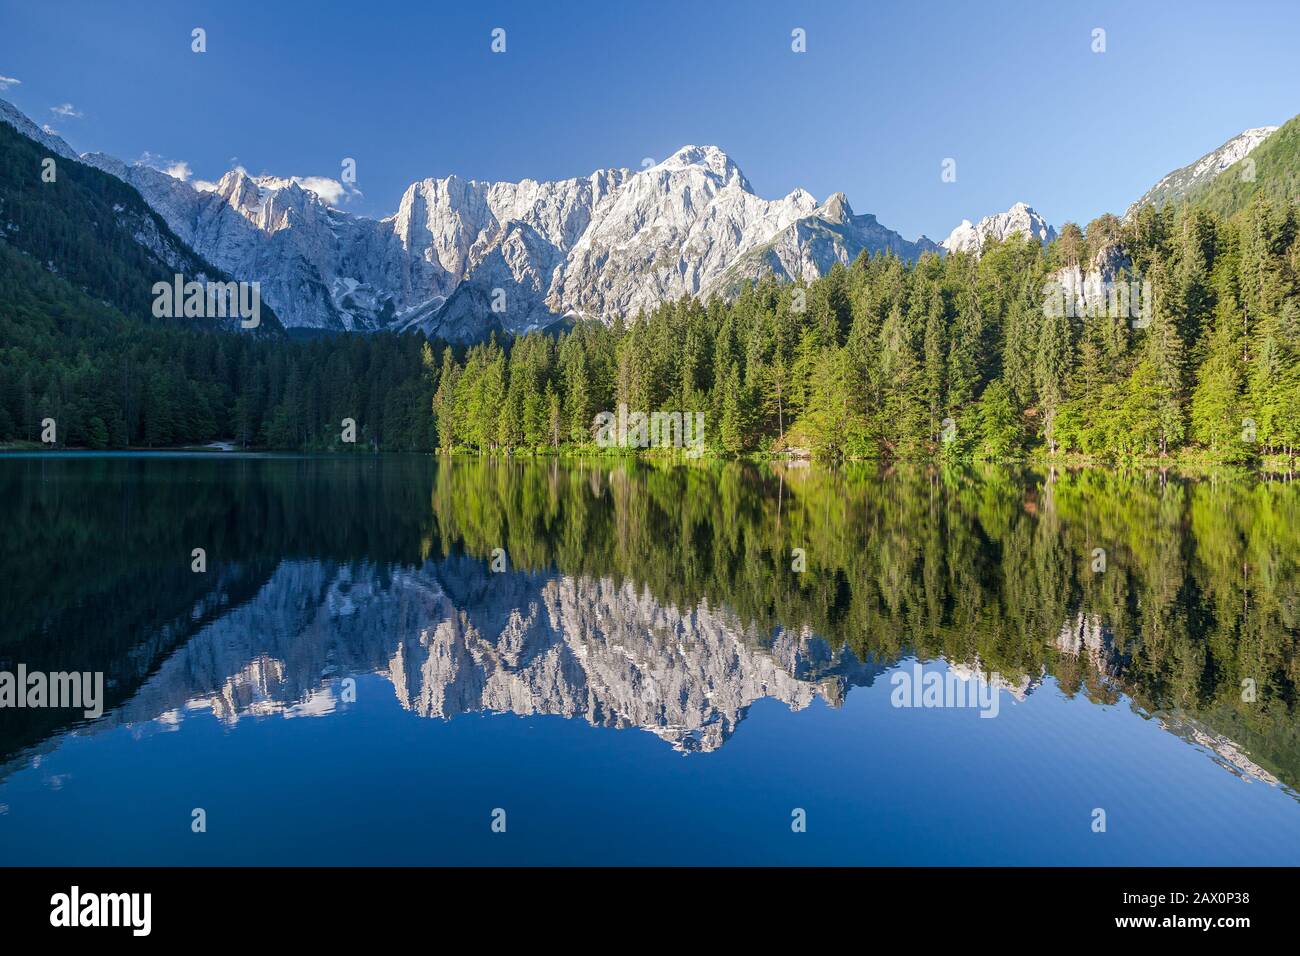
954	356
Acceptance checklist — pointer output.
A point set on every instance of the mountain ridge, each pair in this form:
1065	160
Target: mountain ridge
1020	218
1186	181
1272	170
460	259
608	245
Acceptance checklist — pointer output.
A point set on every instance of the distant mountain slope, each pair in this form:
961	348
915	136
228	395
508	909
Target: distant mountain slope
320	267
812	244
1274	174
11	115
618	242
91	230
1195	177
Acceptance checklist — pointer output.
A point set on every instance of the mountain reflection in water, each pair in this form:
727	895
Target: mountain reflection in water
644	596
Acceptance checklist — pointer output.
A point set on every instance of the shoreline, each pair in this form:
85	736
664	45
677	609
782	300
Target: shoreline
1187	465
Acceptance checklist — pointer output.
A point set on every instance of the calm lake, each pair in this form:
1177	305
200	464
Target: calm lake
405	660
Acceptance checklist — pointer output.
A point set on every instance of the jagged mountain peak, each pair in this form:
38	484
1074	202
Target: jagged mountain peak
1021	218
711	158
240	191
836	208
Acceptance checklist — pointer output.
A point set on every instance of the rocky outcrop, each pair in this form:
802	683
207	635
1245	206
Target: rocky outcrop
318	267
1106	287
1019	219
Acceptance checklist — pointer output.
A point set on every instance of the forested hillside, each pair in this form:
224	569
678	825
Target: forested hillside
1274	173
91	229
110	381
79	256
882	353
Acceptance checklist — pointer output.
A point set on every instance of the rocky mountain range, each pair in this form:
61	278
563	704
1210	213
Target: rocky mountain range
462	258
329	269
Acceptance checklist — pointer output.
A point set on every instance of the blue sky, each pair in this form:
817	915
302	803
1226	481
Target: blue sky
884	93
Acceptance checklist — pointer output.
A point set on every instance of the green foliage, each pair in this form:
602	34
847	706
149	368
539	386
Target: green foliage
871	361
109	381
1001	435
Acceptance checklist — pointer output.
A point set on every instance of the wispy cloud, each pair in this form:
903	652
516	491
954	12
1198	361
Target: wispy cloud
8	81
67	111
331	191
176	168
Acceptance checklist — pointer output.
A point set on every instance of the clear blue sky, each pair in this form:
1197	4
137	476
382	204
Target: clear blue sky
883	94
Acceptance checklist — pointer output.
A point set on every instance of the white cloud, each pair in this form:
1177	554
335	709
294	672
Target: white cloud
8	81
330	190
67	111
176	168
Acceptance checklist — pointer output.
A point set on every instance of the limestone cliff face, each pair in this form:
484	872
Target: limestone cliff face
317	266
461	259
1105	285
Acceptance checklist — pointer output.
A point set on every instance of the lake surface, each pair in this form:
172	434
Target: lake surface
388	660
